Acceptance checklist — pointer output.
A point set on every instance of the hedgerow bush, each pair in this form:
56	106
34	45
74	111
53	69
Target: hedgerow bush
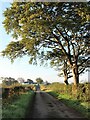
81	92
11	93
17	110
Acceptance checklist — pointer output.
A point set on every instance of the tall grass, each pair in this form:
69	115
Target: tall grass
18	108
0	108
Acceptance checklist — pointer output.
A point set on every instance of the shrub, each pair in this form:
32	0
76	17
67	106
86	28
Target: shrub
82	91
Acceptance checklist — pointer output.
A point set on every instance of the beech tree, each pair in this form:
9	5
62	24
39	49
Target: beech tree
44	27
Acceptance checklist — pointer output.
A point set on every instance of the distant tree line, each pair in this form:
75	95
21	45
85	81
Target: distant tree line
11	81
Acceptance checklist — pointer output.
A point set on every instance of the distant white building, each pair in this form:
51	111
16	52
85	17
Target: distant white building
25	83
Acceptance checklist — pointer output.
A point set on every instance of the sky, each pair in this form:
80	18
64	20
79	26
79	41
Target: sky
21	67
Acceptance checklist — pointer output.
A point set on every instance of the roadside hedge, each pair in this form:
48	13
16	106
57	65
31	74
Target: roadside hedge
82	92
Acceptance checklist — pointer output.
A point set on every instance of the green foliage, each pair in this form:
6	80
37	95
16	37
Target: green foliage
35	22
82	94
8	81
80	101
55	94
49	31
11	93
39	80
60	88
19	107
81	106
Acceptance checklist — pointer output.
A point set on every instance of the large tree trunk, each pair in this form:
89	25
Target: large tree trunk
65	73
75	74
75	78
65	79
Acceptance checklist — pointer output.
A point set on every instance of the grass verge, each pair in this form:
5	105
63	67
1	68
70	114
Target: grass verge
82	107
18	108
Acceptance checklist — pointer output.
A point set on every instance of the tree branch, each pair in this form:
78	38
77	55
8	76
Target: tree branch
66	39
79	53
81	71
83	61
69	76
60	44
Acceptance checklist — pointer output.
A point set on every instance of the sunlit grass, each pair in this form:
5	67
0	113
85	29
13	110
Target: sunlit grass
83	107
0	108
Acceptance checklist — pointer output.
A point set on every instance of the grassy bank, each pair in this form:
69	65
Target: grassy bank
82	107
18	108
0	108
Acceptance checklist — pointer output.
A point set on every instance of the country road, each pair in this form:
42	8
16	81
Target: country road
46	106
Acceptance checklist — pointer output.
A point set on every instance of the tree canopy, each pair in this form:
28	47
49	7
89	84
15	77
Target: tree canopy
39	80
49	29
